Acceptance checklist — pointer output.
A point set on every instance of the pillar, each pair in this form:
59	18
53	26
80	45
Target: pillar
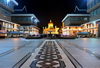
98	29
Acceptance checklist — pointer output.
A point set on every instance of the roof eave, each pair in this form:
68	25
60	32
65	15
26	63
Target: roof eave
74	15
14	2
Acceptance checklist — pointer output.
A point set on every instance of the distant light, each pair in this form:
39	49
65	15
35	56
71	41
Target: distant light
35	20
8	1
31	17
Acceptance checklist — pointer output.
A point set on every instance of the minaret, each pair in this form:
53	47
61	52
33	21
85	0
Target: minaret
50	20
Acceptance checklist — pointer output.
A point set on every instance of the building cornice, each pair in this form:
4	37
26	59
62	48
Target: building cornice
74	15
91	22
8	21
23	15
14	2
72	26
32	15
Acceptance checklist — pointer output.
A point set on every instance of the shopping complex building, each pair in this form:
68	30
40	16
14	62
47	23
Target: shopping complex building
72	22
93	7
6	9
27	20
89	22
12	19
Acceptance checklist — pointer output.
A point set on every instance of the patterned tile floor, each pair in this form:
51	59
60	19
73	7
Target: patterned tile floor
49	55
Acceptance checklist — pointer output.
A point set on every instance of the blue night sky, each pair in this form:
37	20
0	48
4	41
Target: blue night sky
55	10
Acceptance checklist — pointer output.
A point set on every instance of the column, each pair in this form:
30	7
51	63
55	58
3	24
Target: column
98	29
1	25
95	31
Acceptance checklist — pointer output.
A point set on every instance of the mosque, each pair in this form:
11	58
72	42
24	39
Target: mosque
51	29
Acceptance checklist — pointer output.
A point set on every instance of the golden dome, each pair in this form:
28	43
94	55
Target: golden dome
50	22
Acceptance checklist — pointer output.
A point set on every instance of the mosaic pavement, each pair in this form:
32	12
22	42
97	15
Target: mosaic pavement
48	57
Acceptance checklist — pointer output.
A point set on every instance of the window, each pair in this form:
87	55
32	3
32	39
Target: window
74	18
91	14
85	19
94	13
5	2
10	5
89	6
67	20
30	19
94	2
71	18
1	1
3	11
99	10
14	18
25	18
80	18
8	14
20	19
98	1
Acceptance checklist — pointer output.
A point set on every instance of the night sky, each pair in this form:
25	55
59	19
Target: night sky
55	10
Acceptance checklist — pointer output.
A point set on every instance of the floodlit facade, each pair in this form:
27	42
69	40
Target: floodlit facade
71	30
51	29
6	8
32	30
27	21
73	21
90	27
9	26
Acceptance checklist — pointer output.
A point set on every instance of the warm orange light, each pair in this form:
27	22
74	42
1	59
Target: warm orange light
85	25
15	39
79	28
84	38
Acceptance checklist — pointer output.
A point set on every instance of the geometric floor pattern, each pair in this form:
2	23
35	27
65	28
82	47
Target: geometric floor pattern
48	57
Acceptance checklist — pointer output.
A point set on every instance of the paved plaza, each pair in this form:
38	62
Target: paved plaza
85	51
10	58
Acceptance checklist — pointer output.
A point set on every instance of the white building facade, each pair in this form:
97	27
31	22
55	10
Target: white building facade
6	8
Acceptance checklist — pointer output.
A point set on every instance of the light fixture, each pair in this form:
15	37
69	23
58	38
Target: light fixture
8	1
31	17
35	20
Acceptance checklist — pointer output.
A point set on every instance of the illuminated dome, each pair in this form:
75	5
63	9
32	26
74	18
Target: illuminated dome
50	24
